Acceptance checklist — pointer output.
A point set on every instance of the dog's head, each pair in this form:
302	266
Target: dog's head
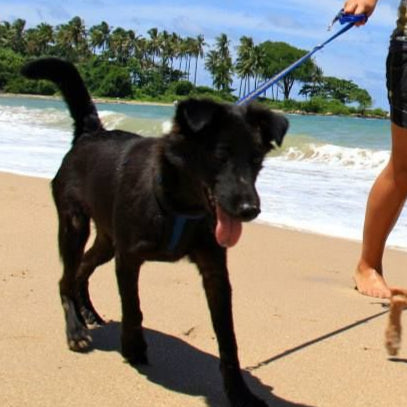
232	141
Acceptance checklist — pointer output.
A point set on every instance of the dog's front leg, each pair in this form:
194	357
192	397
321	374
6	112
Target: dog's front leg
134	347
212	265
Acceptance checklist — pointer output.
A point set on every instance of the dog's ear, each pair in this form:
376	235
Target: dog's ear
273	126
193	115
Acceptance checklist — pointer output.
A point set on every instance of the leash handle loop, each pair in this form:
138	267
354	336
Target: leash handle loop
345	18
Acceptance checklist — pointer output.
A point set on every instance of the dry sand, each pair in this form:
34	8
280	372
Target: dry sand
306	338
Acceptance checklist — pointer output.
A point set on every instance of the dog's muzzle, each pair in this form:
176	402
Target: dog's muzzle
247	211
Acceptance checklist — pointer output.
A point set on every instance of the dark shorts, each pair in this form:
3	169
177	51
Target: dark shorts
396	74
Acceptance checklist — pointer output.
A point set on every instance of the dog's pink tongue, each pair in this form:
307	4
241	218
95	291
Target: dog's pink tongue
228	230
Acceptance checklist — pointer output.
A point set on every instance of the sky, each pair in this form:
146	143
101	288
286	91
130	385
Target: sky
357	55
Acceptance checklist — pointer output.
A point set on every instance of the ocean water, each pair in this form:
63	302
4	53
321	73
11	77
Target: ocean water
317	182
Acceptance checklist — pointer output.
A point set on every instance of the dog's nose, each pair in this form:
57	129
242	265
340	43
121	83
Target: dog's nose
248	211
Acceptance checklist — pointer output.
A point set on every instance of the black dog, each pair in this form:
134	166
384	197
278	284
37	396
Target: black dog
184	194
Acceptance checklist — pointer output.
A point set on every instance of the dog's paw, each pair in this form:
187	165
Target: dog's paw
79	340
137	360
134	346
77	334
135	356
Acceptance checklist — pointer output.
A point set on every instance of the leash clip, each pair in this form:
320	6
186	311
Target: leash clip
344	18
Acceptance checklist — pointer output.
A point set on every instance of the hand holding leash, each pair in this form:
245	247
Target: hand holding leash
346	18
358	7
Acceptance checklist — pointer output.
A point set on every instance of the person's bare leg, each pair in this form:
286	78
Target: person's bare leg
386	199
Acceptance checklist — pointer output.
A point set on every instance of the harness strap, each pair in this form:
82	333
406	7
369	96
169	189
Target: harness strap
178	229
179	220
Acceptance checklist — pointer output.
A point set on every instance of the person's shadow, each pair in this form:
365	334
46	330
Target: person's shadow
178	366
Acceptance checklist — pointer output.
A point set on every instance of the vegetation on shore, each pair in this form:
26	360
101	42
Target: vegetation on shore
163	67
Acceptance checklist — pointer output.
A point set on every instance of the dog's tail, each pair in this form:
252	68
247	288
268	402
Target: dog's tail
67	78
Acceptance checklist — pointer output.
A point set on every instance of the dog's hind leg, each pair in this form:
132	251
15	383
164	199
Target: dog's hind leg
101	252
134	347
72	236
212	266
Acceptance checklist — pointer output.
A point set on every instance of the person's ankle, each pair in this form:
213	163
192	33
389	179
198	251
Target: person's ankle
364	269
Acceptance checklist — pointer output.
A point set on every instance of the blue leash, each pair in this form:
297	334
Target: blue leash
350	19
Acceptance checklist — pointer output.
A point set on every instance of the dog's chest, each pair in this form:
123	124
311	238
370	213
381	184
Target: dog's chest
171	237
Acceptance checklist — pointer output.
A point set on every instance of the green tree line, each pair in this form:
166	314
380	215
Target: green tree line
163	66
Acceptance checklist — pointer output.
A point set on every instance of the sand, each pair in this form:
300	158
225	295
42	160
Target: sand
306	338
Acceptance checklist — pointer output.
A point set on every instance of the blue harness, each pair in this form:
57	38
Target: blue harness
180	220
178	229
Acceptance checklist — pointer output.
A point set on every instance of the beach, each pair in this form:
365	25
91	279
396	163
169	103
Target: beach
305	337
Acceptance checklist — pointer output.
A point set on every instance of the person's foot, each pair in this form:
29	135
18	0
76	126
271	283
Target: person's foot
369	282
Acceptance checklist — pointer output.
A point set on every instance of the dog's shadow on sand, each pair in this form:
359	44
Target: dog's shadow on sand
180	367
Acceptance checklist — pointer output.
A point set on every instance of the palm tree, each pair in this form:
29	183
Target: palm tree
71	39
5	33
45	36
154	43
245	63
99	36
142	52
198	52
77	32
189	52
182	52
225	68
258	63
63	42
120	44
38	40
17	35
175	47
105	30
211	63
31	41
222	44
95	38
165	47
219	64
130	44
